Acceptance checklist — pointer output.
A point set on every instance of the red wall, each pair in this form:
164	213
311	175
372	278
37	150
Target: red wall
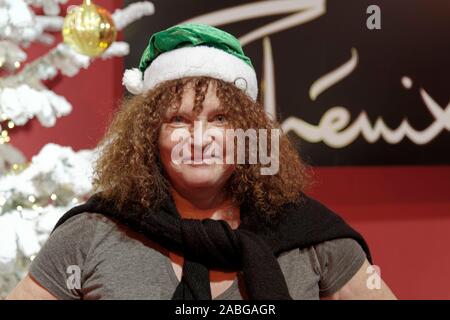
403	212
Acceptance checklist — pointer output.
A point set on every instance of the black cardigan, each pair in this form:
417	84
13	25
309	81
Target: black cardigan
251	248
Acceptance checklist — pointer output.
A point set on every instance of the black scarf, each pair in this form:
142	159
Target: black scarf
252	247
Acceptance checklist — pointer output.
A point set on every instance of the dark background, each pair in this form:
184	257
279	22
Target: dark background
413	41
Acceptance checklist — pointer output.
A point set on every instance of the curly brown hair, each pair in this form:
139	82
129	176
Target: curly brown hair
129	169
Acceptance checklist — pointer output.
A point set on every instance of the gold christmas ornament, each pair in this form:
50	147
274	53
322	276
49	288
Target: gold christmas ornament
89	29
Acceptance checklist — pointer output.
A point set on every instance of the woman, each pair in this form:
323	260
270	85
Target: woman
167	224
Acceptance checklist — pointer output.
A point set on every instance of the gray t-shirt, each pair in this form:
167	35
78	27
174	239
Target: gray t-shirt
116	262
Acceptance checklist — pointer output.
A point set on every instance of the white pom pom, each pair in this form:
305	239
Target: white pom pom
132	80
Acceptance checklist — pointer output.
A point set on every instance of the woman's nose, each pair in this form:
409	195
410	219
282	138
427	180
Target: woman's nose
199	141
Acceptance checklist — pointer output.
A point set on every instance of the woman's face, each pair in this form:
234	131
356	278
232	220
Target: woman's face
207	174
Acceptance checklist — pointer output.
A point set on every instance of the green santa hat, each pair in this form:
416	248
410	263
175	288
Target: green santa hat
189	50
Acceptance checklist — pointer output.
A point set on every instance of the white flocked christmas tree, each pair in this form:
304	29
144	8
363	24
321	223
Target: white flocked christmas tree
34	194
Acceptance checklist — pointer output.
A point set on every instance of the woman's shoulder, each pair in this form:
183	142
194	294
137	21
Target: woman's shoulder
81	228
338	251
77	233
91	232
338	260
88	221
330	254
79	243
65	250
327	265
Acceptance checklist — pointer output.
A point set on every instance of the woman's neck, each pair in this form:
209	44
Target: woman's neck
206	206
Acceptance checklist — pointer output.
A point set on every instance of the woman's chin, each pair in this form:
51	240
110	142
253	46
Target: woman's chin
197	176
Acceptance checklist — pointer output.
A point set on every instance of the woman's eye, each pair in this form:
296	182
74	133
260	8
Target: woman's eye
178	120
220	118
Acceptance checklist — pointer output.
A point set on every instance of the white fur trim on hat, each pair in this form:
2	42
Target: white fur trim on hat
201	61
